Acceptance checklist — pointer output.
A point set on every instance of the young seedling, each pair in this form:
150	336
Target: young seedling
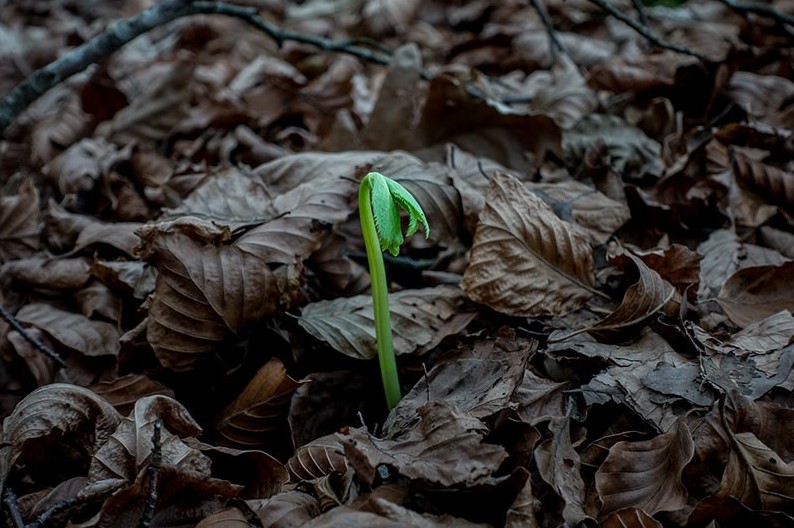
379	202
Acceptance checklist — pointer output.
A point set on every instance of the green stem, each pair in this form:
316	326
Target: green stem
380	297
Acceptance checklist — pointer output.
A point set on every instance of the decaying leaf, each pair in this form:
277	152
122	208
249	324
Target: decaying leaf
74	331
646	474
420	318
318	458
752	294
260	409
525	261
756	475
19	226
445	449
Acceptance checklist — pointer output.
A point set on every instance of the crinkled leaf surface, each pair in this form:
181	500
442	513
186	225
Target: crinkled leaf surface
525	261
646	474
420	320
72	330
444	449
19	223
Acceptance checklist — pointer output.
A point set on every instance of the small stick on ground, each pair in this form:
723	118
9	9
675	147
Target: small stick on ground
44	349
154	470
12	508
554	43
645	31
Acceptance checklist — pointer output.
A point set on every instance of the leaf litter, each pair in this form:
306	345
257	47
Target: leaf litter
599	330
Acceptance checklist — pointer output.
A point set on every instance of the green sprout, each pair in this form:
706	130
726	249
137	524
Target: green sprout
379	202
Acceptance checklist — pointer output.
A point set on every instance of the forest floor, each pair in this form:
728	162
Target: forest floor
596	332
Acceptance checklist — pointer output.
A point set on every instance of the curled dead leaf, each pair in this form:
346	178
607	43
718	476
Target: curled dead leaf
525	261
19	225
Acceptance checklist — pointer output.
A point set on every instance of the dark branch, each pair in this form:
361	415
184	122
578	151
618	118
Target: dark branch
764	10
44	349
644	30
153	470
12	508
554	43
640	9
57	509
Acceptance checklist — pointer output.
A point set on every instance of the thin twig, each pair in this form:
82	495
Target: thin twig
640	9
44	349
57	509
78	59
764	10
154	470
554	43
645	31
12	508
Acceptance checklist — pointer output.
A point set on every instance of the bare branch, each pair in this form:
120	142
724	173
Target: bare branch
44	349
554	43
12	508
644	30
764	10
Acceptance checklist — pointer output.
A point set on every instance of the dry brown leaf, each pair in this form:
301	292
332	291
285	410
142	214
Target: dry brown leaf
72	330
525	261
260	409
630	151
646	474
19	223
38	271
538	399
120	235
762	96
124	391
481	385
775	185
52	414
96	299
559	465
228	518
389	16
757	476
639	72
81	166
630	518
41	367
318	458
563	94
724	255
678	265
445	449
129	449
286	510
752	294
202	292
229	198
421	319
642	299
134	278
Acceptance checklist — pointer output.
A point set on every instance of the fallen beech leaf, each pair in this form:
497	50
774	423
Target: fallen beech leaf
120	235
318	458
56	413
228	518
19	223
762	96
642	299
124	391
481	386
203	291
260	409
291	508
38	271
78	168
775	185
229	198
630	518
420	318
389	16
72	330
524	260
631	152
757	476
752	294
646	474
445	449
678	265
723	255
129	448
538	399
562	93
559	465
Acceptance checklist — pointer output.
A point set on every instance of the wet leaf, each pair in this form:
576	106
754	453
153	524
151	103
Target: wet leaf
420	320
525	261
646	474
